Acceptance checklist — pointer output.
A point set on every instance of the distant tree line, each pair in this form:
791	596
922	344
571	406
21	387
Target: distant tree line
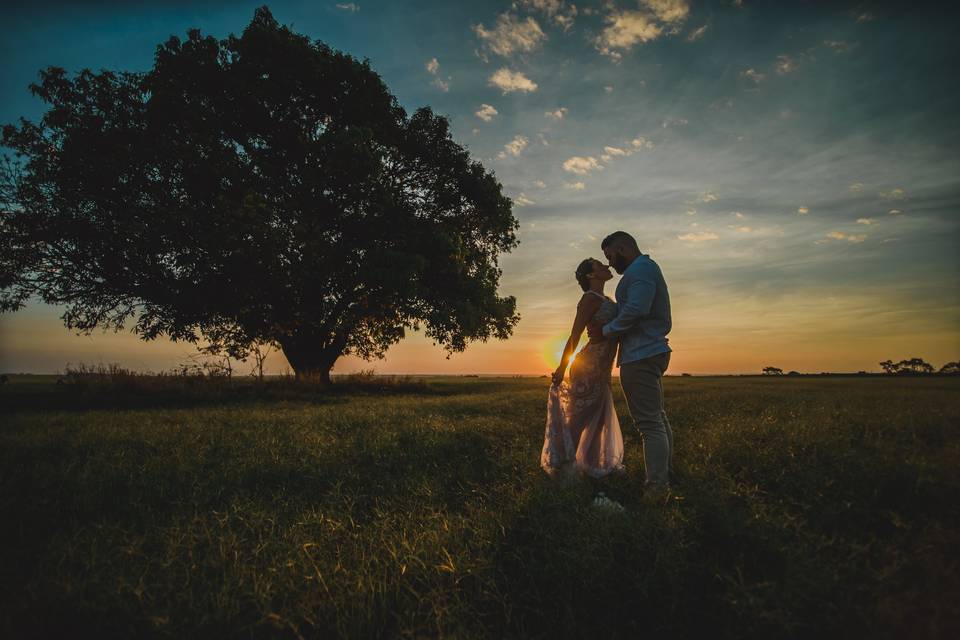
917	365
904	367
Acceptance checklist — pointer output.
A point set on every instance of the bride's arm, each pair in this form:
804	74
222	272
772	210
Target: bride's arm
587	306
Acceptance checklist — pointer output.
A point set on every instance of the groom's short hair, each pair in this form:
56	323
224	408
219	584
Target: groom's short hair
621	237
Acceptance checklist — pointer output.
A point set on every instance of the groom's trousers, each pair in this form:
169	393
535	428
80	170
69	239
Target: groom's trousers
641	382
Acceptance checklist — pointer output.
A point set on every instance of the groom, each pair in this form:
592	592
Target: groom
642	324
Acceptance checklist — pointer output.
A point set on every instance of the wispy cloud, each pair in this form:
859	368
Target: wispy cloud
785	64
697	33
581	165
641	142
433	68
708	196
698	236
576	186
856	187
865	220
523	201
838	46
849	237
556	114
486	112
348	6
894	194
515	147
511	35
624	30
509	81
752	74
803	210
670	11
560	12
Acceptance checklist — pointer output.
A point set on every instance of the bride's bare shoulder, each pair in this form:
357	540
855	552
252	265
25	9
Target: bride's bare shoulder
588	300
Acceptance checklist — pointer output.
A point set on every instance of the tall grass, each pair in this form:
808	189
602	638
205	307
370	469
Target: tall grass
803	506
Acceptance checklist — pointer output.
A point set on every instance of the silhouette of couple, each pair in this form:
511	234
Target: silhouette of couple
582	430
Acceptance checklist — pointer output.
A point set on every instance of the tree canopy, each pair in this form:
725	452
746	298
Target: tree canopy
261	188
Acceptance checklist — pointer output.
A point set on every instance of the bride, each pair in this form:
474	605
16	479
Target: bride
583	433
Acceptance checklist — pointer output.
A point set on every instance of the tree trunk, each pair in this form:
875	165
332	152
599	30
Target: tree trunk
311	355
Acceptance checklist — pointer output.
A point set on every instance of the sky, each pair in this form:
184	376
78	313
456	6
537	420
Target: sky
794	168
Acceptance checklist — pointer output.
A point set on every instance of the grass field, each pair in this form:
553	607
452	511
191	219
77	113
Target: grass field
811	505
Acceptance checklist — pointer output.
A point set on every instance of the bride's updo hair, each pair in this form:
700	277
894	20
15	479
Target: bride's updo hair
583	273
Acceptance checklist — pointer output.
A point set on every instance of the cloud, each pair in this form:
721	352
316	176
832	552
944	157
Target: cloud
894	212
625	29
539	184
508	81
803	211
576	186
865	220
642	143
557	10
514	147
707	196
838	46
738	215
608	88
523	201
669	10
856	187
433	68
511	35
556	115
785	64
696	34
581	165
674	122
840	235
866	17
698	236
894	194
691	211
486	112
348	6
754	75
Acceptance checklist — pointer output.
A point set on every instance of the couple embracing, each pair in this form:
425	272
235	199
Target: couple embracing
582	431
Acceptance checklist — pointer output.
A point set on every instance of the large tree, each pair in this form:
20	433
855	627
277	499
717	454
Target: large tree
261	188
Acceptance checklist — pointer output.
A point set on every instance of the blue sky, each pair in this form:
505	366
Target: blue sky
793	167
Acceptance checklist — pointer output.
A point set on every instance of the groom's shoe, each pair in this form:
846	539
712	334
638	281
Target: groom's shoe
656	494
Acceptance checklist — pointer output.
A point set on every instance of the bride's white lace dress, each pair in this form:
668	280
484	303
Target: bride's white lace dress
583	432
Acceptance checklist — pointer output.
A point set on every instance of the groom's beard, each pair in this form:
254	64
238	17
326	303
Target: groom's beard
619	264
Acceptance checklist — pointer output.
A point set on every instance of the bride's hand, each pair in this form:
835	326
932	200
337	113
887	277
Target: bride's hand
558	375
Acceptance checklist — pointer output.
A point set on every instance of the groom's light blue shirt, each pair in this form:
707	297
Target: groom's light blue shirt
643	312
